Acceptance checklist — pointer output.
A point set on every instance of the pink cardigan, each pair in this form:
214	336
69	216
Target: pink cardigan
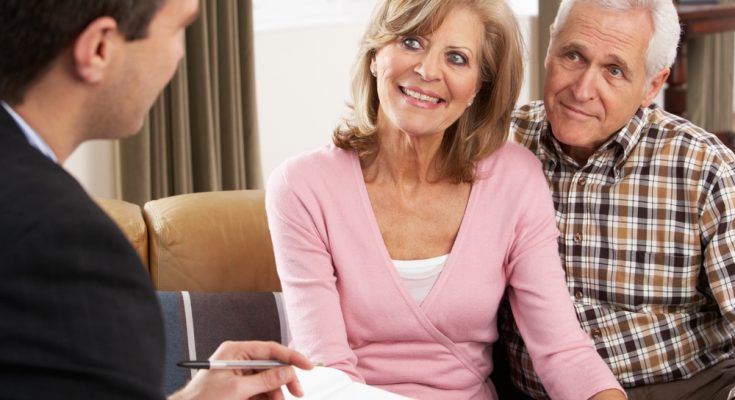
347	307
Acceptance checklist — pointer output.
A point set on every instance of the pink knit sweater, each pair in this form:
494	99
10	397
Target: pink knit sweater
347	307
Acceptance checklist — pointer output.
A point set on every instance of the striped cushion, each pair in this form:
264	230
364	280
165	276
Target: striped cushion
196	323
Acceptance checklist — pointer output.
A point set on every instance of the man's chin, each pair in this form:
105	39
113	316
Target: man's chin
120	132
573	137
570	132
133	130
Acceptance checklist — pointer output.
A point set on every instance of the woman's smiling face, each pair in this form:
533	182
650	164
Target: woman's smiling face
426	82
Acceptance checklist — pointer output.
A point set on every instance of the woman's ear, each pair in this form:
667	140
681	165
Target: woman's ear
373	65
95	48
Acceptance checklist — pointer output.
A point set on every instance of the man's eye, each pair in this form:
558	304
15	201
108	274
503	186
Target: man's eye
457	59
572	56
411	43
615	71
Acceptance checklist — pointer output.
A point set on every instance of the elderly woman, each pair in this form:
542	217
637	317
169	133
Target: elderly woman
396	244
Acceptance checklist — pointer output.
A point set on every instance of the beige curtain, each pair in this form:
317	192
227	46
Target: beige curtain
201	134
546	13
710	80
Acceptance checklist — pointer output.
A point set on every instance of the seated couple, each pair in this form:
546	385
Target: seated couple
397	244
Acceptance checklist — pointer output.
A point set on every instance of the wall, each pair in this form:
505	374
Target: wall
94	164
302	84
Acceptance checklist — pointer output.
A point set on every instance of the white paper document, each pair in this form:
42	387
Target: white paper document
329	383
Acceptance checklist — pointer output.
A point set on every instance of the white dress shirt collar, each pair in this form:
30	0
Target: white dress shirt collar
33	137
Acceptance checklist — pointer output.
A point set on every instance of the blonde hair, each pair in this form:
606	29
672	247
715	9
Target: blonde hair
483	127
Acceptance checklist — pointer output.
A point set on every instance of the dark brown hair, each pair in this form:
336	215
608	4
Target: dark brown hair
34	32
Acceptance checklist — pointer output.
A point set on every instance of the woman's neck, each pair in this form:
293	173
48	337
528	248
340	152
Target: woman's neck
404	158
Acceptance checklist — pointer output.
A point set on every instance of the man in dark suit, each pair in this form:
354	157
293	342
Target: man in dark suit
78	315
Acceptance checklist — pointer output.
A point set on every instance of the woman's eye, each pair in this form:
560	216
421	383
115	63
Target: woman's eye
411	43
457	59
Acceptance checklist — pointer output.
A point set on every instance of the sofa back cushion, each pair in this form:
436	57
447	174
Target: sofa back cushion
129	218
211	242
196	323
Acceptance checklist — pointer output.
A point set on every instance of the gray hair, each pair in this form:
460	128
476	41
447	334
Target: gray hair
662	45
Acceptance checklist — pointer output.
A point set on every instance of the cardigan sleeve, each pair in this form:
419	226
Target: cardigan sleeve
563	355
307	275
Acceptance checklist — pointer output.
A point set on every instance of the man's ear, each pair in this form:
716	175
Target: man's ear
655	86
94	49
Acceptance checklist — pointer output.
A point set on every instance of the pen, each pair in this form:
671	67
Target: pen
231	364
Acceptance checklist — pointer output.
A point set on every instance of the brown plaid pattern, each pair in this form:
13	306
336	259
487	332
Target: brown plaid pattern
647	241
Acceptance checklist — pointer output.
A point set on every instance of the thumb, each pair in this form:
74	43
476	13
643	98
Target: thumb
267	380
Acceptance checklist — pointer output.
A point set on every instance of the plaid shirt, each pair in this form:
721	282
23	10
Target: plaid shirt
648	244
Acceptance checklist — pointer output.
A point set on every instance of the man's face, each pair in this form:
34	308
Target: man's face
148	65
596	76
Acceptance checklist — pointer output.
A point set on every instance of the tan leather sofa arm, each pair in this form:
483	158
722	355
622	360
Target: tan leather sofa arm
129	218
211	242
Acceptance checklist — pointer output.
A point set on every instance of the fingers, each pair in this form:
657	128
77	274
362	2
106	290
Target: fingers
295	388
267	382
261	351
271	380
299	360
277	395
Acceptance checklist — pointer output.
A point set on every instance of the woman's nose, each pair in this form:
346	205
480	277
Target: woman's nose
429	67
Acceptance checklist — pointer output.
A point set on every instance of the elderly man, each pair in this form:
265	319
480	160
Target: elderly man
645	203
79	316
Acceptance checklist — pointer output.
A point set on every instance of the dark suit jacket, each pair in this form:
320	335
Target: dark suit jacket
78	315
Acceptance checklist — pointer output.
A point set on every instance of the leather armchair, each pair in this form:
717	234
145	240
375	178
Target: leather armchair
211	258
129	218
206	242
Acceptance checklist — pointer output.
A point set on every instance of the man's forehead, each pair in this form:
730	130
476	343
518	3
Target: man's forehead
607	34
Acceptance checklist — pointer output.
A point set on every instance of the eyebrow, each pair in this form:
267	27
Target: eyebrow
576	47
428	38
467	49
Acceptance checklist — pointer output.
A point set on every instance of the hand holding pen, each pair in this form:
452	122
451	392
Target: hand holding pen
222	381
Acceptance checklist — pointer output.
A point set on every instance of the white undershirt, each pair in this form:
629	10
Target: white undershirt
419	276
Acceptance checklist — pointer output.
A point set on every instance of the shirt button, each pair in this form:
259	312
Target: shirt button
577	237
596	334
582	181
578	295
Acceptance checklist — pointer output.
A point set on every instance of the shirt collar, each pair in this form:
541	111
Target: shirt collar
629	136
625	139
31	135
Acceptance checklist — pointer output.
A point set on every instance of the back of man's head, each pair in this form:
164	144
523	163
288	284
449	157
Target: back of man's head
34	32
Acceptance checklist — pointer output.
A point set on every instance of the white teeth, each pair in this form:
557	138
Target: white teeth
419	96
